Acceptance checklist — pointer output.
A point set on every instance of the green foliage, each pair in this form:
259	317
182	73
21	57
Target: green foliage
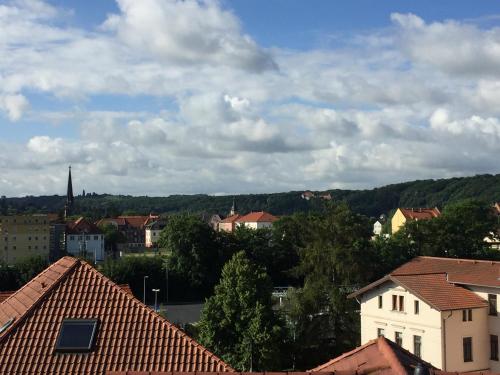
195	257
238	323
112	237
131	271
338	259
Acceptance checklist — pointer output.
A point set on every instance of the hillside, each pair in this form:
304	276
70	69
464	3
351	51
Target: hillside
371	202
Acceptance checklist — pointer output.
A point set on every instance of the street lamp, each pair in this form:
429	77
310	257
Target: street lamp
156	298
144	292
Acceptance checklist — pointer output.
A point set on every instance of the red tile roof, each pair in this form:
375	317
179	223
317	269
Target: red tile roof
213	373
379	356
420	213
4	295
438	281
230	219
459	271
256	217
82	225
131	336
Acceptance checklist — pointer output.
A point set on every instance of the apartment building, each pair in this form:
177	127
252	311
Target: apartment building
440	309
84	238
23	236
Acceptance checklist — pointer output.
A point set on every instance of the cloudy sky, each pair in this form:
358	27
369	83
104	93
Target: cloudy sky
235	96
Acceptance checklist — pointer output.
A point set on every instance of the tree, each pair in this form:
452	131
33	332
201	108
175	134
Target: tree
339	259
194	256
9	278
30	267
238	323
112	237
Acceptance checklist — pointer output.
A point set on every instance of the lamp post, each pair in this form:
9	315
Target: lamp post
156	298
144	292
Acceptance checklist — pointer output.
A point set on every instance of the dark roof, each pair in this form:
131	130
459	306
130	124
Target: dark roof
131	336
379	356
82	226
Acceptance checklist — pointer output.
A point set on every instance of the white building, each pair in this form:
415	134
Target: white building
377	228
83	238
442	309
153	231
257	220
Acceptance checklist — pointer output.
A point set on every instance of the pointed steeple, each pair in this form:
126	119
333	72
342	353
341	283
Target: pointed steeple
233	209
70	199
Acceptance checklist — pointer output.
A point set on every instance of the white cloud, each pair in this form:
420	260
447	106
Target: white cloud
14	105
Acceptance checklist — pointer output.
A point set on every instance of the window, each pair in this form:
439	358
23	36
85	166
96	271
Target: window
394	302
494	347
417	346
380	332
96	238
467	315
417	308
492	301
398	337
467	349
380	303
87	238
401	303
77	335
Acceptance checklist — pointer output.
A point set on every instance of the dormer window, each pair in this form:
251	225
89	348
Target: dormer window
77	335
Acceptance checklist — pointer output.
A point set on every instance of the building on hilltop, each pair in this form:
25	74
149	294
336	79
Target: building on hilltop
402	215
23	236
84	238
441	309
71	319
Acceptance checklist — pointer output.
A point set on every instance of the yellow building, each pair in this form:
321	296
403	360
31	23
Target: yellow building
402	215
23	236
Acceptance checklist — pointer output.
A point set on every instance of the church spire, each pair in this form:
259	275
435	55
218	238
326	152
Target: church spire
70	199
233	209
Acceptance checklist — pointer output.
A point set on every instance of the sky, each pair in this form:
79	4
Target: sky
160	97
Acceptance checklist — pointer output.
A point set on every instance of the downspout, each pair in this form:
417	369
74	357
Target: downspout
444	339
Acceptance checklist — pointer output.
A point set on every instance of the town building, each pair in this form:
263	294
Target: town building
441	309
133	229
307	195
153	231
84	238
23	236
377	228
229	223
402	215
71	319
256	220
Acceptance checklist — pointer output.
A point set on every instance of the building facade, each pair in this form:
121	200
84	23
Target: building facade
152	232
256	220
402	215
24	236
83	238
442	310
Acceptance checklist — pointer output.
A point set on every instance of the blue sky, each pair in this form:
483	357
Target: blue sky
162	96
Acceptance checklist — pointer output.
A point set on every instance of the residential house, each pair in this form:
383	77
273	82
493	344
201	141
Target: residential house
256	220
23	236
84	238
307	195
132	227
441	309
153	231
325	196
402	215
493	239
229	223
377	228
71	319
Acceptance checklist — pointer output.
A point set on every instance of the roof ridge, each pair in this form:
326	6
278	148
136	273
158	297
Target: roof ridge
388	352
460	259
347	354
148	310
43	295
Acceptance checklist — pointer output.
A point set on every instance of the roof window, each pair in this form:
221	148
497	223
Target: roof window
77	335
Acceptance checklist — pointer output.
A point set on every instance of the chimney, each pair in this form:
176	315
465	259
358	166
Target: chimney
420	369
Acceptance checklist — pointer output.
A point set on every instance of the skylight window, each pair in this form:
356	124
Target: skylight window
77	335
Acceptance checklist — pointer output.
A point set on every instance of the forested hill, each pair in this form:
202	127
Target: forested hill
422	193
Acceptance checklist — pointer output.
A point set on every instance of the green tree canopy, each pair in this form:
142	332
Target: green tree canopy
238	322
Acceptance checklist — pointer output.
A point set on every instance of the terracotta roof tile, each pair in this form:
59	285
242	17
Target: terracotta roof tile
131	336
255	217
212	373
5	294
440	281
420	213
231	219
82	225
379	356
